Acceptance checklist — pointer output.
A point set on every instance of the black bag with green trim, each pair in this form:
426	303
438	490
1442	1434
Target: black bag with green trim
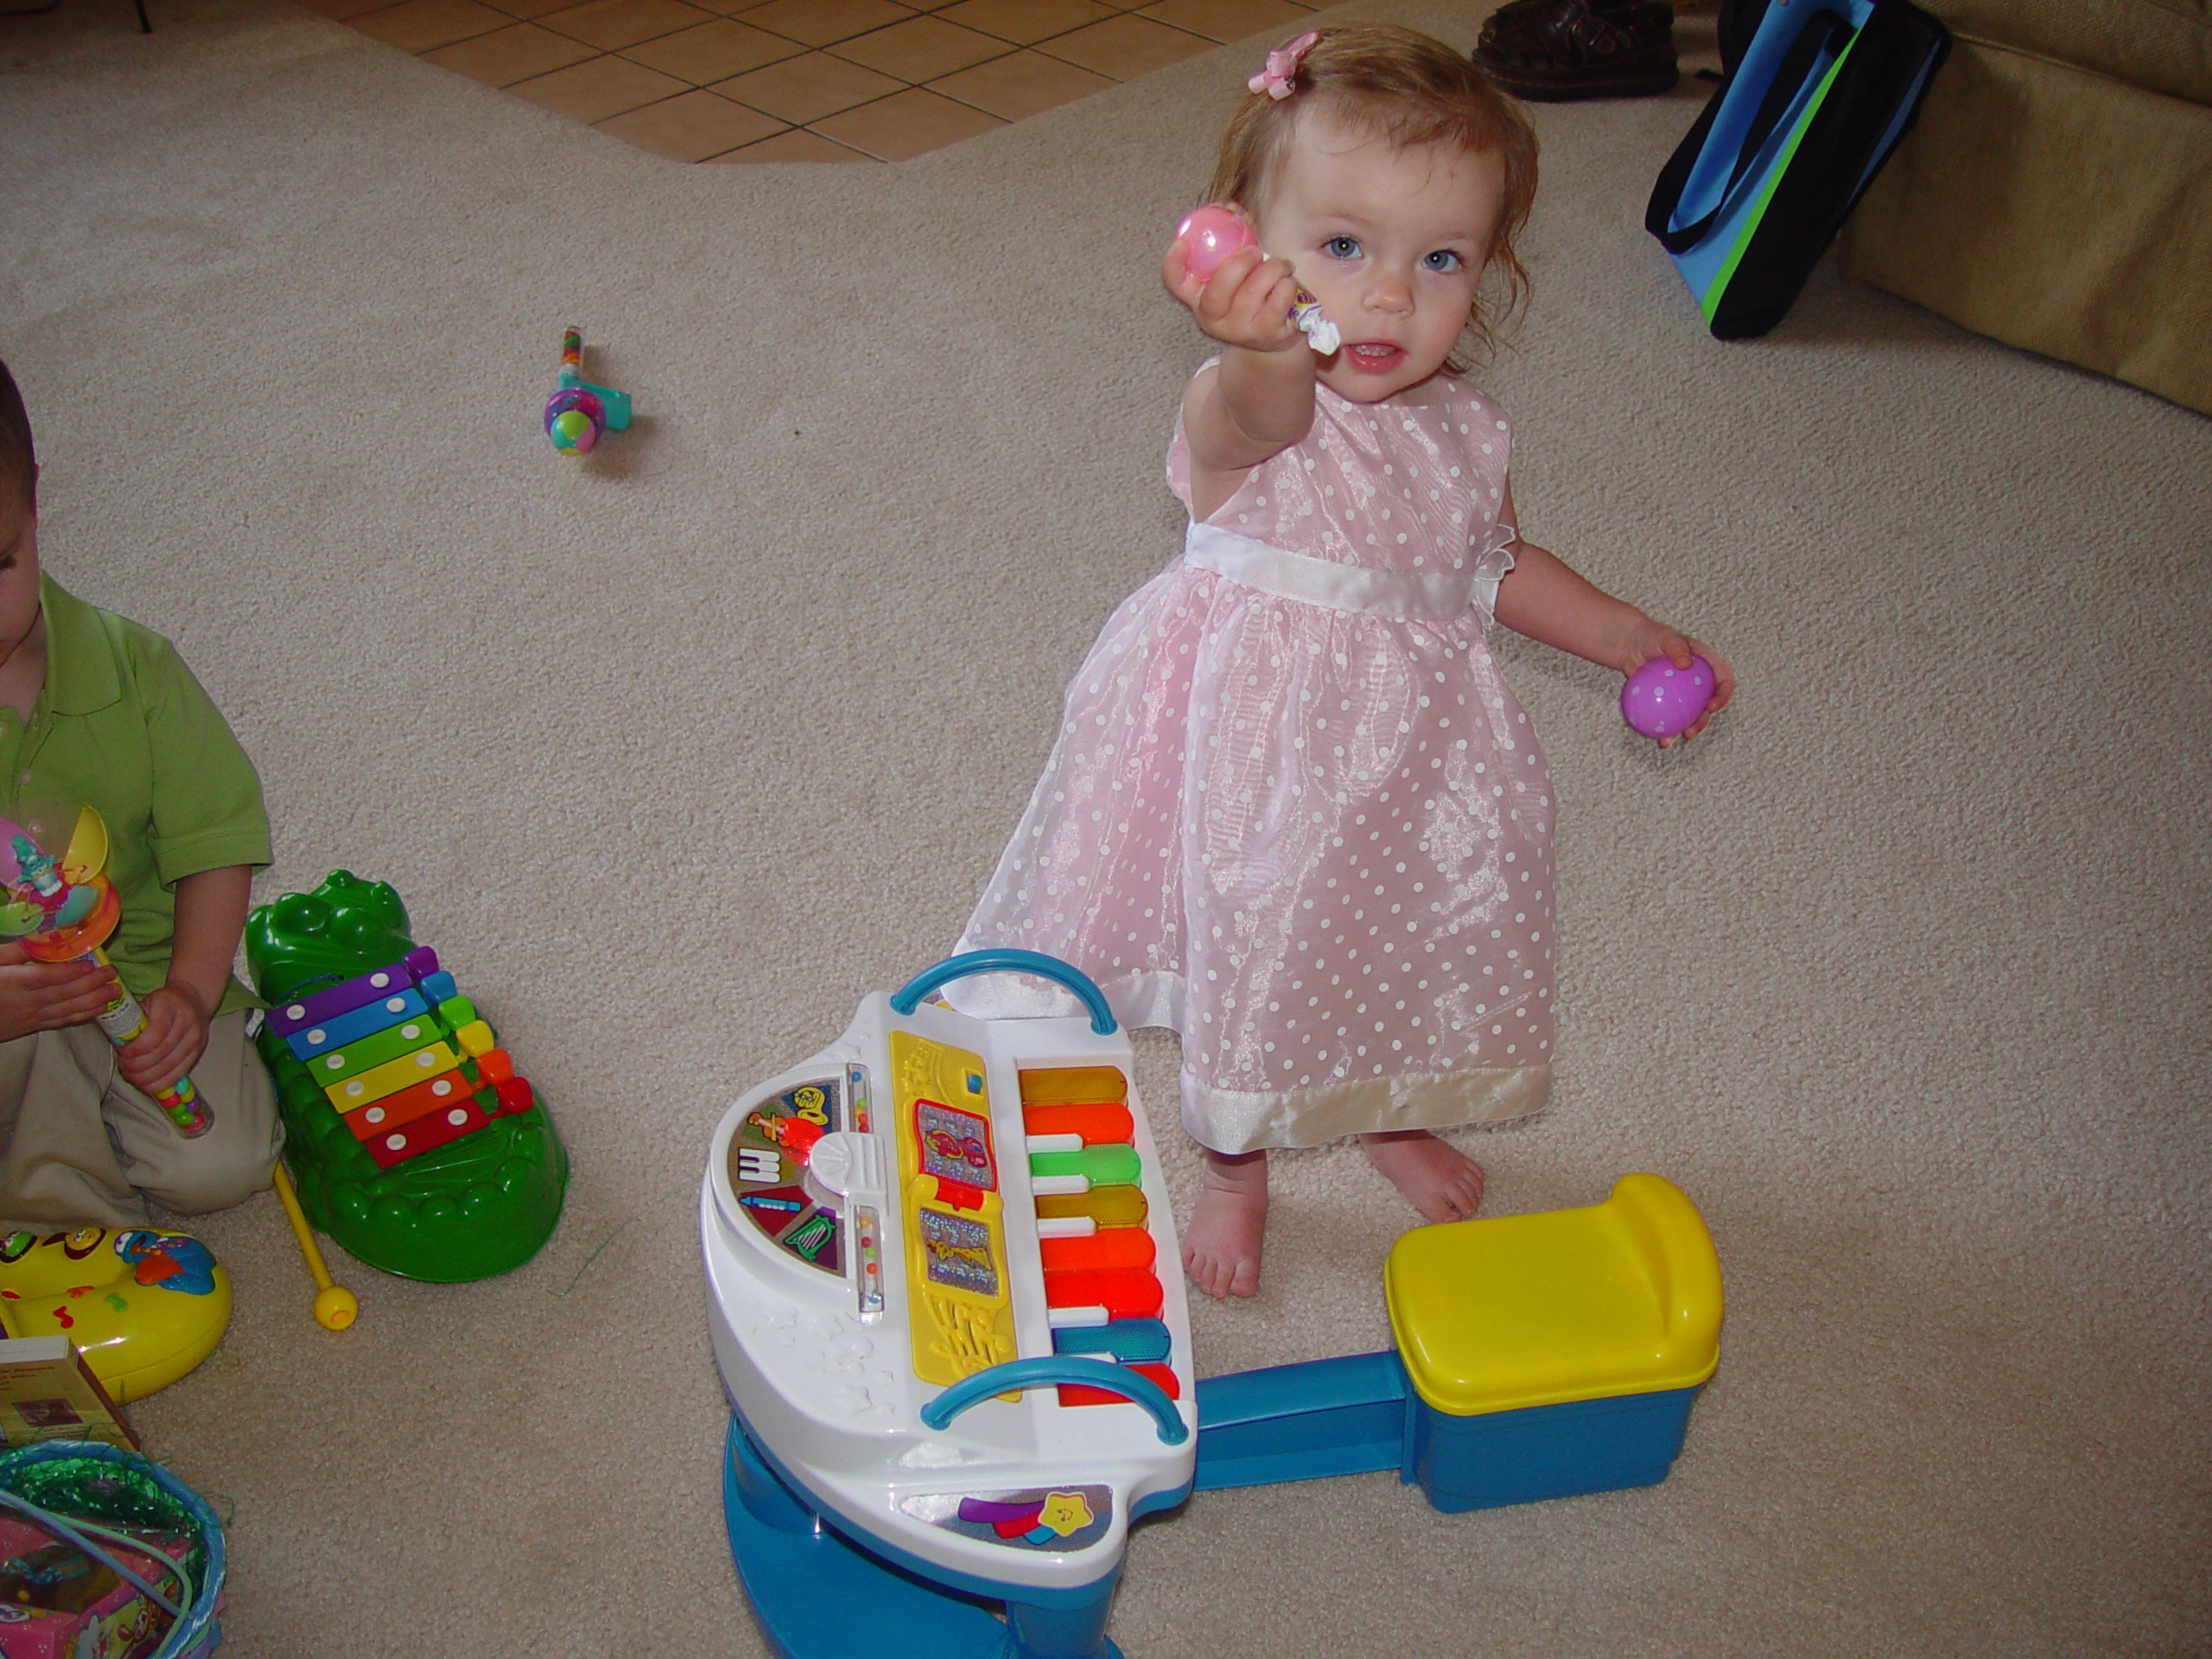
1753	196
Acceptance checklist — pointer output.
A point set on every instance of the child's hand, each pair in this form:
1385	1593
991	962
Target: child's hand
1245	302
47	996
174	1038
1651	640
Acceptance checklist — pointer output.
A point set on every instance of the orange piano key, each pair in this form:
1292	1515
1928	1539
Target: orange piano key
1065	1084
1110	1206
1110	1246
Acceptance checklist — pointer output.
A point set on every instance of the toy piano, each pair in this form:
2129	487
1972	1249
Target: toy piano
946	1298
948	1307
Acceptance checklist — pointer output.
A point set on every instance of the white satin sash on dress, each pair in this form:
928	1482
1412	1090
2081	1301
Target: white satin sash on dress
1401	596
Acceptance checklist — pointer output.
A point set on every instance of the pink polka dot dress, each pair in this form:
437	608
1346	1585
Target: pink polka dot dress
1294	811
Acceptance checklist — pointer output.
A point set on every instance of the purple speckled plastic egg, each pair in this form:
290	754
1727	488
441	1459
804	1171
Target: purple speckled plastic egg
1661	700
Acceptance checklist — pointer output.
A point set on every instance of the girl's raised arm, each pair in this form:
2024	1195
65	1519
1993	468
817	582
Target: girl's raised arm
1259	400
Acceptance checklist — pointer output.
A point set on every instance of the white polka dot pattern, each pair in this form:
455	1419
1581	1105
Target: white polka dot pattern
1317	841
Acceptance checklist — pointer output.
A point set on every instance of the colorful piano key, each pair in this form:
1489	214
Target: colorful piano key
1072	1085
1108	1206
1108	1247
1099	1259
1124	1293
1081	1393
1094	1166
1096	1124
1126	1342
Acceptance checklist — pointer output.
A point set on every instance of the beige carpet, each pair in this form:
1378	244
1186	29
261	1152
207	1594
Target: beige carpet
1901	974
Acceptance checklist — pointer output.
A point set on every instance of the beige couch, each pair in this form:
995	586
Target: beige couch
2056	193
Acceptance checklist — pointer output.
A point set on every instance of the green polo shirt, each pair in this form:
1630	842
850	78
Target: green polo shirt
121	726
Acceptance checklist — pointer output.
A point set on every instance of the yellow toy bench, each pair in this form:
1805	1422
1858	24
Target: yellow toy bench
1554	1353
1538	1356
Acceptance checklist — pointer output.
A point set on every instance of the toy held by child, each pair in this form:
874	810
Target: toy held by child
1293	810
63	911
98	713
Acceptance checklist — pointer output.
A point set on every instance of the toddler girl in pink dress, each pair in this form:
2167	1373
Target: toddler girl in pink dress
1295	812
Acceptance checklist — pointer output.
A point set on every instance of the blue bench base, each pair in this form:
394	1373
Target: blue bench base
1344	1416
1539	1452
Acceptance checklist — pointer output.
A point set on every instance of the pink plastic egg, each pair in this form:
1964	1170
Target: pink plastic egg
1214	233
1661	700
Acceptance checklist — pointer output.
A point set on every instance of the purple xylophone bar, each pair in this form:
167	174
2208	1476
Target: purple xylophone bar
353	993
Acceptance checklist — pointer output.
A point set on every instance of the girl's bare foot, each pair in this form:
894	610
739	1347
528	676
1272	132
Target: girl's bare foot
1221	1247
1443	1183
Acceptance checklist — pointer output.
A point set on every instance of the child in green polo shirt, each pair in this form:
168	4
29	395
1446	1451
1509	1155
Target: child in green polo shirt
98	711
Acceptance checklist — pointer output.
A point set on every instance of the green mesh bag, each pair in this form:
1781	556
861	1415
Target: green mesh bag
86	1488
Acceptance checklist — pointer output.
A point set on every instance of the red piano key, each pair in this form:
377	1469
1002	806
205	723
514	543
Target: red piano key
1110	1246
1108	1124
1081	1393
1124	1293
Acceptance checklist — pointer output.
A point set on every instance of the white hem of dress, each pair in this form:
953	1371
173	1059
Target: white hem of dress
1310	1116
1313	1116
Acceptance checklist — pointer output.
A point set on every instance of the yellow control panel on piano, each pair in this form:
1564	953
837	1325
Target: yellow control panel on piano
961	1315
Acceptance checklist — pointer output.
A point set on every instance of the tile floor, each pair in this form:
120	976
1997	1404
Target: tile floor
807	81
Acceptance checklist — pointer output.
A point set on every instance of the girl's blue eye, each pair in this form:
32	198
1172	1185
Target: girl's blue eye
1340	247
1442	260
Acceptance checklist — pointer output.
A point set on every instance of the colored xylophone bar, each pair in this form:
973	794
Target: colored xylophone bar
401	1056
1101	1292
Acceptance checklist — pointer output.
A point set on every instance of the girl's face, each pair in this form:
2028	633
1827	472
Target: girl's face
1391	241
18	564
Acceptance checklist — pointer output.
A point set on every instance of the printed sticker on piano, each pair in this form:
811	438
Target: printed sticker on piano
955	1145
958	1253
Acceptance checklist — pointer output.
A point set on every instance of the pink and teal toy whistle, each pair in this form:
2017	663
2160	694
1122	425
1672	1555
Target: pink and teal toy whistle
577	414
66	913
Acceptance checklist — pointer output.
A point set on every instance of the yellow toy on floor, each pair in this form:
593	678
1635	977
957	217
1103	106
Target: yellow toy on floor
143	1306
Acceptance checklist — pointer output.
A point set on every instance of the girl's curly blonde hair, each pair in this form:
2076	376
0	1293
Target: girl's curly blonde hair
1405	87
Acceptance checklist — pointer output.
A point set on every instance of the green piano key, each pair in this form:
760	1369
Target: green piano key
1103	1165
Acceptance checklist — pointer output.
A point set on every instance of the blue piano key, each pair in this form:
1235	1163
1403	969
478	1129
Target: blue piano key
1127	1342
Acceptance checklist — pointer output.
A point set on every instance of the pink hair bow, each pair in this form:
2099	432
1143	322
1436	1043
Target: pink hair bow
1275	81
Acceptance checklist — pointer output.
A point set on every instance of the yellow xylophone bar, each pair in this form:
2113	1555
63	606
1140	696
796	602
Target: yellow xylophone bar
432	1060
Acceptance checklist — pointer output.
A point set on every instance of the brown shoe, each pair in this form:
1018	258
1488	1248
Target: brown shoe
1558	51
1520	20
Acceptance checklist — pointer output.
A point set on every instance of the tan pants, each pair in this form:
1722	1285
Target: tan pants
81	1148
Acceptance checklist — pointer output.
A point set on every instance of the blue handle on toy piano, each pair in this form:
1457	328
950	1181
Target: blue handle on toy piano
1065	1368
908	996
